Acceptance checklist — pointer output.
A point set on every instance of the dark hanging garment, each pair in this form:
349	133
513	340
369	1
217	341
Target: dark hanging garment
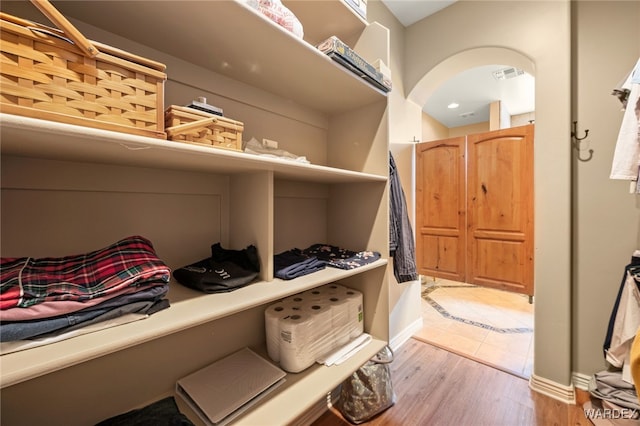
630	272
401	243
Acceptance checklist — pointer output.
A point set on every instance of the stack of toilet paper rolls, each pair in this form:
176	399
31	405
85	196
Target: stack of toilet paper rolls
304	327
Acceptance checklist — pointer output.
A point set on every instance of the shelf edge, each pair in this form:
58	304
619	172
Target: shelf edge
40	132
38	361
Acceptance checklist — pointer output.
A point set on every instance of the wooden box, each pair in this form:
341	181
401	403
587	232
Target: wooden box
61	76
194	126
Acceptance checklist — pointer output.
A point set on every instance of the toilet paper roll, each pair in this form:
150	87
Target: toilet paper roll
295	299
304	327
340	318
318	294
334	288
356	313
323	335
272	315
321	312
296	338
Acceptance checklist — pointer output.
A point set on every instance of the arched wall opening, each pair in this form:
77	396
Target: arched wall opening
465	60
551	205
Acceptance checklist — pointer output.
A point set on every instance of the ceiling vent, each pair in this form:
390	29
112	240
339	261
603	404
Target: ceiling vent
467	114
507	73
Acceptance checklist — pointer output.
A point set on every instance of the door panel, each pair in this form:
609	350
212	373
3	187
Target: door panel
500	209
440	208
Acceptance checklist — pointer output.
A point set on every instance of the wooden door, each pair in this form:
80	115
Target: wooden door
440	208
500	209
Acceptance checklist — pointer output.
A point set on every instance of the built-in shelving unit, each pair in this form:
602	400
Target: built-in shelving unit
68	189
232	39
189	308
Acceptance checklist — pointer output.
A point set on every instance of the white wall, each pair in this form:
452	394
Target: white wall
405	126
538	41
576	277
432	129
606	218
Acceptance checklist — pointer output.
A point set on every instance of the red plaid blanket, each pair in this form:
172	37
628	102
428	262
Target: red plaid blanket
129	262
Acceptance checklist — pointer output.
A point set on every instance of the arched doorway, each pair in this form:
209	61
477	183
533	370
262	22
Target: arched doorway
485	324
549	248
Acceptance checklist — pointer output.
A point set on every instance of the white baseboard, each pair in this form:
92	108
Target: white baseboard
562	393
580	381
399	339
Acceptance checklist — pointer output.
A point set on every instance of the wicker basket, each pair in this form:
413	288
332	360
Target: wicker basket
199	127
46	75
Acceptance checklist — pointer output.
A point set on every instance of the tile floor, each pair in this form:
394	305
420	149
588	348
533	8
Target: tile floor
491	326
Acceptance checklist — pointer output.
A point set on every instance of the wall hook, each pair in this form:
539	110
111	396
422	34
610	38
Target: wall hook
576	142
574	133
587	158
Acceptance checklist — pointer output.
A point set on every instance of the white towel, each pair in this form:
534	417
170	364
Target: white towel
626	158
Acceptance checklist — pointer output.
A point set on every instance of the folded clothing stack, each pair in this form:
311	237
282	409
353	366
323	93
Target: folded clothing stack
341	258
226	270
303	328
278	13
162	412
295	263
55	295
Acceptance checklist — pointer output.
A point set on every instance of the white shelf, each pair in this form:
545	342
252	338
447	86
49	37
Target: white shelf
189	308
304	388
324	18
29	137
230	38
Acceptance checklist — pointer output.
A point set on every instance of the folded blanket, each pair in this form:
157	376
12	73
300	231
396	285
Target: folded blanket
130	262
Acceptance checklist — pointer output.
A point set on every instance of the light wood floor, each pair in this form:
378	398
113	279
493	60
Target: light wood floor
439	388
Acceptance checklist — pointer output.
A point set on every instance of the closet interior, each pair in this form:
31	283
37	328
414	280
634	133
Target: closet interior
69	189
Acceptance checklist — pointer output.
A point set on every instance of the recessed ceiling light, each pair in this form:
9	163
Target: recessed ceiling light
453	105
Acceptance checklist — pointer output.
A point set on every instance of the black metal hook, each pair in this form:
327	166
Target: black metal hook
584	159
576	142
574	133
